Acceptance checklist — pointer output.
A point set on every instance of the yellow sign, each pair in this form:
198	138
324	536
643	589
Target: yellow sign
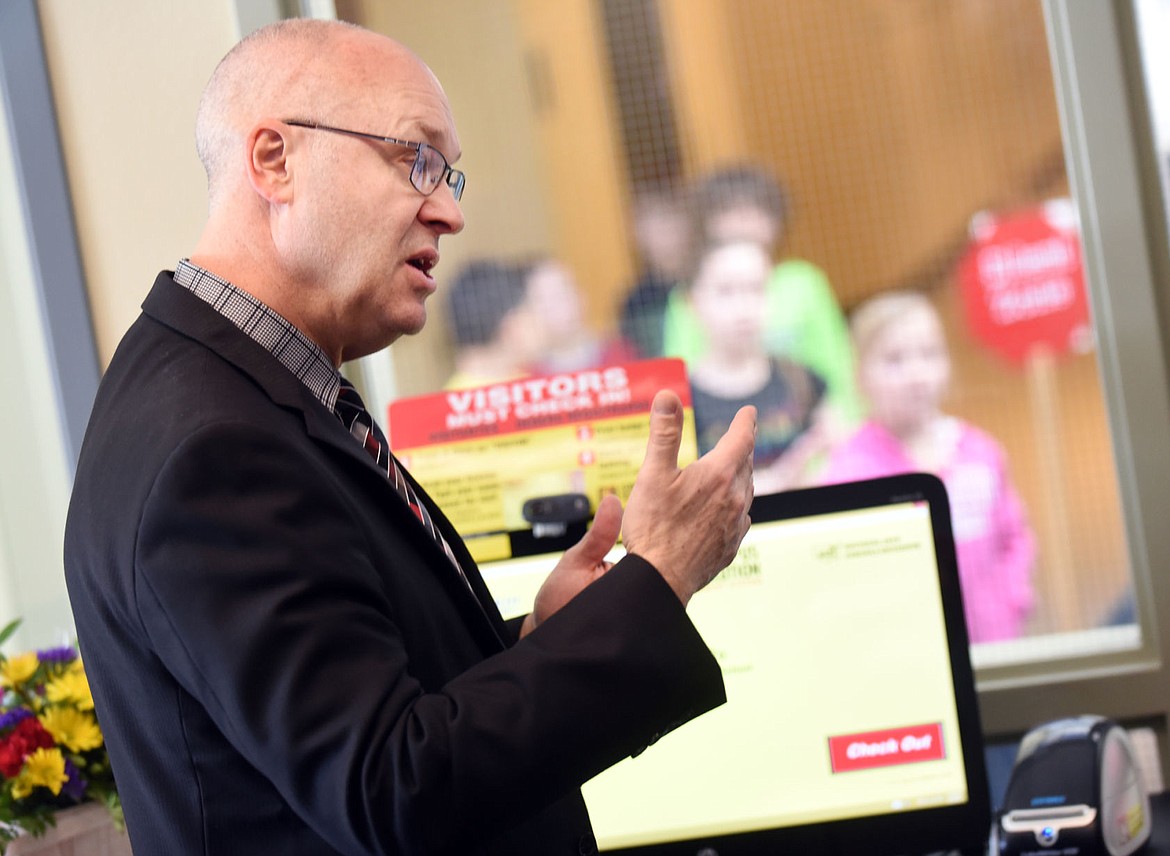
482	453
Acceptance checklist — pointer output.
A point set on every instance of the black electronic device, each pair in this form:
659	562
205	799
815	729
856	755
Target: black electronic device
557	510
1075	790
852	723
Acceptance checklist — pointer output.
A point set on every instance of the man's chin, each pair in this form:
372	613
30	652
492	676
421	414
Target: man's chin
413	326
386	338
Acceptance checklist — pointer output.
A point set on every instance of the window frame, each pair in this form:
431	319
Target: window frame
1114	176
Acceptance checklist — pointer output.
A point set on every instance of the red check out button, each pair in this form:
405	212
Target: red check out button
887	748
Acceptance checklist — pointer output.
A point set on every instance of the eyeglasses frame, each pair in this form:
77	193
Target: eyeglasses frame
453	178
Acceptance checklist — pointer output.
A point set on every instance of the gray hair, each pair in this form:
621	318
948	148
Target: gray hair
247	82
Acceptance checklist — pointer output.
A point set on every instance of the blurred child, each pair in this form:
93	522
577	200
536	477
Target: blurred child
727	294
903	369
496	334
553	299
803	320
662	234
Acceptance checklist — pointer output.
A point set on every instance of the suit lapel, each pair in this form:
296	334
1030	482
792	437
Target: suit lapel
466	562
174	306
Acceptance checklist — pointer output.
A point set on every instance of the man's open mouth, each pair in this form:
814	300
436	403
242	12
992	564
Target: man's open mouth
424	263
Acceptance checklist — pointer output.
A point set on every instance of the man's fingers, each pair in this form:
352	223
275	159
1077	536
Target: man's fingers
666	422
740	439
603	534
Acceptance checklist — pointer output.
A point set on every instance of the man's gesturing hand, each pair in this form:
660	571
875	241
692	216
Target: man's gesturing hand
582	563
689	523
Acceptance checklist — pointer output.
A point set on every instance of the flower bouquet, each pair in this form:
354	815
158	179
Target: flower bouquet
52	753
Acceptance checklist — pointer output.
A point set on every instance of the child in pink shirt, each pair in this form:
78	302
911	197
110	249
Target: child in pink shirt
902	371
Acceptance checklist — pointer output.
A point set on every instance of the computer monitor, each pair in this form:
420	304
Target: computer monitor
851	724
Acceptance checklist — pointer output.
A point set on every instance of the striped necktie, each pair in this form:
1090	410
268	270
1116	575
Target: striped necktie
351	410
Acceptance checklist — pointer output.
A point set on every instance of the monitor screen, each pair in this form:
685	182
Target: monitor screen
851	722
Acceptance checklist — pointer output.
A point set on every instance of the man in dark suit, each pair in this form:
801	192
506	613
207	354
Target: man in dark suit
291	652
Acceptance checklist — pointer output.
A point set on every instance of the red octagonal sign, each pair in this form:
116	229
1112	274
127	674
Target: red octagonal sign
1023	284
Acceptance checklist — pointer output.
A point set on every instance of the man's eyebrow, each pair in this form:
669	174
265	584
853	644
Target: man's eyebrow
423	130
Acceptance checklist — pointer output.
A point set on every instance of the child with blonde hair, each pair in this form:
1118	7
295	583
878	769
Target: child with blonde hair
903	369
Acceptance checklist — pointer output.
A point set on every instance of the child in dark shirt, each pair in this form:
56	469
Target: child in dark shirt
728	295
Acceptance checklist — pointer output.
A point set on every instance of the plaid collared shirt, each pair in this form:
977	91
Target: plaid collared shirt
267	327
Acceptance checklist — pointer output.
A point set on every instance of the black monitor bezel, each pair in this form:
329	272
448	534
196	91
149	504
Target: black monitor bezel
961	827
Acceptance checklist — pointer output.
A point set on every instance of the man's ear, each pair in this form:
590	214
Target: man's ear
268	161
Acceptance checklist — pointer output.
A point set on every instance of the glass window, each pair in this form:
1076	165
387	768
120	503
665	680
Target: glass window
925	298
34	484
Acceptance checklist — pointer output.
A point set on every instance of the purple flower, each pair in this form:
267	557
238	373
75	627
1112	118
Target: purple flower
63	654
14	716
76	785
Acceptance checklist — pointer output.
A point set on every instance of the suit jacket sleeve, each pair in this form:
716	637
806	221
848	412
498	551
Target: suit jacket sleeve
265	593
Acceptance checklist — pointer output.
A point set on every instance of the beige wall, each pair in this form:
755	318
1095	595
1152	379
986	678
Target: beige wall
582	161
477	53
126	79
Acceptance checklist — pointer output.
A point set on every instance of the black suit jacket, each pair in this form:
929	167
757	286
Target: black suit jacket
284	661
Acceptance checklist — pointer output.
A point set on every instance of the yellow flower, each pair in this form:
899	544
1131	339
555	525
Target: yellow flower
44	768
71	728
14	671
71	687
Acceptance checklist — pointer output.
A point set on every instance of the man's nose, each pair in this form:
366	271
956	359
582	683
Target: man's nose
440	210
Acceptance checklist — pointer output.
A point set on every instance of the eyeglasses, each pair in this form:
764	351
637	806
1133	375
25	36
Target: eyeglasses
429	169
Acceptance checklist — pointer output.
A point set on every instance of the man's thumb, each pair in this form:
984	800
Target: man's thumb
603	534
666	423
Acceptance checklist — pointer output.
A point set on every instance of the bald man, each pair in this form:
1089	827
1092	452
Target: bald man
286	657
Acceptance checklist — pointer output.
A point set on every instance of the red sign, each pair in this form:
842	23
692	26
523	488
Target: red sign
887	748
1023	283
537	401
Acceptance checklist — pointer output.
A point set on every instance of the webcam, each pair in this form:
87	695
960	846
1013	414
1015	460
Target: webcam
551	515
